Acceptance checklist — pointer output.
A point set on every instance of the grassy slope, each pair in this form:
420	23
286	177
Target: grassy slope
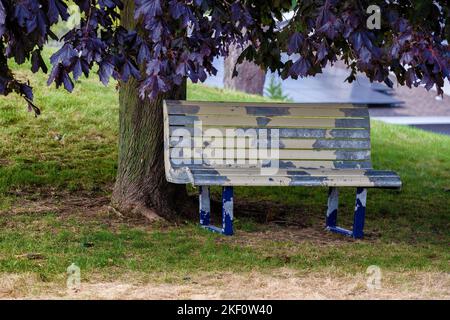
72	147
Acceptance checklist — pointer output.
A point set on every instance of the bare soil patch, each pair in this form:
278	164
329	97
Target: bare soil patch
276	223
275	220
43	201
86	205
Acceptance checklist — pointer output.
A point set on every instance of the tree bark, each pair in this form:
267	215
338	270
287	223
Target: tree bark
141	187
250	78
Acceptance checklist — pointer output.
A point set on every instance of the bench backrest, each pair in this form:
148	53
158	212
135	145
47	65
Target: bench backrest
309	136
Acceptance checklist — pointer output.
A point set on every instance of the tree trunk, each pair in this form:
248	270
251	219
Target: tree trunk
250	78
141	187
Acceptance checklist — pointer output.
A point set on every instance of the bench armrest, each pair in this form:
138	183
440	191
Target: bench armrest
181	175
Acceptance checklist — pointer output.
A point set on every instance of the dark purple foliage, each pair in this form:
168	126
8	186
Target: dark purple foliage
179	39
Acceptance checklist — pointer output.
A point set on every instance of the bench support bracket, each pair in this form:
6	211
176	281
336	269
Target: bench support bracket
227	210
358	218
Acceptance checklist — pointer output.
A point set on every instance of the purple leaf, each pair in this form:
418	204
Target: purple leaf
56	9
407	57
77	69
322	52
301	67
295	42
365	55
144	53
27	91
105	71
147	8
63	55
37	62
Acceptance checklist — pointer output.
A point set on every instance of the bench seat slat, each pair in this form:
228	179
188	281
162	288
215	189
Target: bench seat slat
283	154
310	133
267	122
293	172
215	104
293	164
284	143
324	181
270	110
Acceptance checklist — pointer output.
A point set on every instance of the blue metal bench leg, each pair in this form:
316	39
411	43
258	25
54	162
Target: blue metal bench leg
227	210
358	218
360	213
205	206
332	209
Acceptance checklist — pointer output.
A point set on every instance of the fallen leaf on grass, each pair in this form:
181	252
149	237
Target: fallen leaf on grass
31	256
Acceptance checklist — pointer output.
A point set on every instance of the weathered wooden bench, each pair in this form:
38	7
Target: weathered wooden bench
269	144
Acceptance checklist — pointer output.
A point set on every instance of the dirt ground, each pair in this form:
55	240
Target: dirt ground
283	284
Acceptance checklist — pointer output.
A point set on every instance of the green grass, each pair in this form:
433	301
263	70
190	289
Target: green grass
183	250
72	148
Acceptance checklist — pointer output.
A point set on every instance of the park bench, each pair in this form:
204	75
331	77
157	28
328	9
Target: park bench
272	144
